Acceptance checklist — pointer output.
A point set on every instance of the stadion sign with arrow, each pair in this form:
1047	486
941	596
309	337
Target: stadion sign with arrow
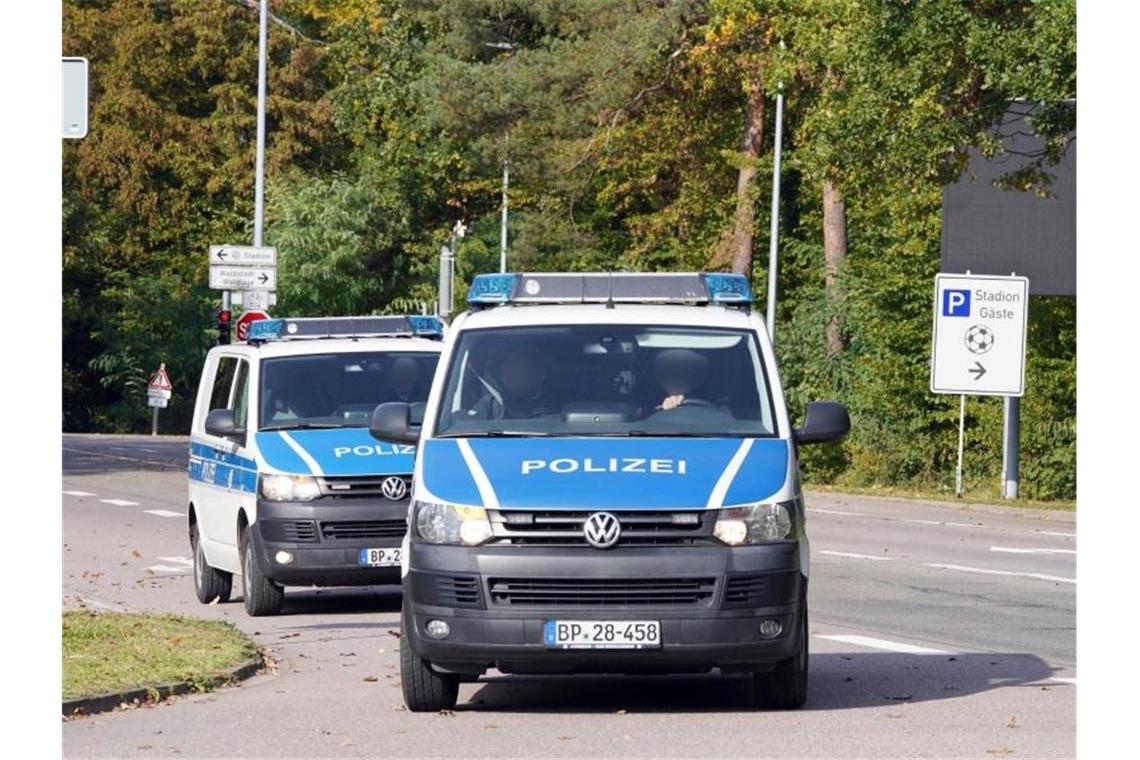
979	335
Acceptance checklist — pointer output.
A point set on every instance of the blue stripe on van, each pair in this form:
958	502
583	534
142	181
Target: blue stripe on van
222	469
446	475
761	474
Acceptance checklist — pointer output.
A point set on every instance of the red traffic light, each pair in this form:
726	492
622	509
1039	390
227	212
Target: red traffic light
224	315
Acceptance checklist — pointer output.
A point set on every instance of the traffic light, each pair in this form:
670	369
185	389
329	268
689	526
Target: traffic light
225	318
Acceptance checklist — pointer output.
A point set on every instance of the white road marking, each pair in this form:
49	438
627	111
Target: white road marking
1055	533
179	560
1073	681
180	570
1011	550
120	502
986	571
79	493
924	522
164	513
836	512
890	646
852	555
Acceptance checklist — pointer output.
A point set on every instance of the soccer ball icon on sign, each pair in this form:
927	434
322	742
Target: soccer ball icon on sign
979	339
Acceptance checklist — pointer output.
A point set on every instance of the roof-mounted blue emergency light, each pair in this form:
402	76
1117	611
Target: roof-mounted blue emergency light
610	287
311	328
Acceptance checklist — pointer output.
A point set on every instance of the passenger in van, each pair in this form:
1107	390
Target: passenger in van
404	374
522	375
680	372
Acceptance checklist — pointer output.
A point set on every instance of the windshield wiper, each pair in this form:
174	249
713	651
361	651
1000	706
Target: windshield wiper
682	434
498	434
303	426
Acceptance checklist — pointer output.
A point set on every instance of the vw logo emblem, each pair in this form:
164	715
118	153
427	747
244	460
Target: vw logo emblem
394	488
602	530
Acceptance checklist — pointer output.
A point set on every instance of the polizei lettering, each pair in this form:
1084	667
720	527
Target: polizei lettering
373	449
609	464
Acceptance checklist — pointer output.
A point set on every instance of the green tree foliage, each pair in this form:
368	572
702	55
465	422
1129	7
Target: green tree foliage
626	124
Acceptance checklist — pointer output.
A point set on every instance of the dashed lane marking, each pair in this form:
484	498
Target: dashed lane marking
837	512
1059	679
890	646
79	493
164	513
1055	533
1012	550
987	571
852	555
181	565
120	502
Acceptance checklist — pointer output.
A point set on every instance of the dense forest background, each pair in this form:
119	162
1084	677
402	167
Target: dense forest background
639	137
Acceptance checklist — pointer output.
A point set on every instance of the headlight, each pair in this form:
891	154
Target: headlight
289	488
447	524
754	524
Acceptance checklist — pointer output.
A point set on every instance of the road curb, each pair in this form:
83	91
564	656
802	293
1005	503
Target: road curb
80	706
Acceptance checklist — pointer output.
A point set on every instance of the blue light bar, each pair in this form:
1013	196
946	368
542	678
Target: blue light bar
694	288
265	329
488	289
728	288
310	328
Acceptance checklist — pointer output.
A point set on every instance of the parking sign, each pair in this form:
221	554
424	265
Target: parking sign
979	335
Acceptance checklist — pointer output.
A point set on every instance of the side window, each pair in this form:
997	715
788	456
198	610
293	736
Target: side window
241	394
223	382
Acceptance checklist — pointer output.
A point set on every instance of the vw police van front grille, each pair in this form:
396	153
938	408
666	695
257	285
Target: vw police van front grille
364	529
638	527
458	590
602	592
289	530
361	486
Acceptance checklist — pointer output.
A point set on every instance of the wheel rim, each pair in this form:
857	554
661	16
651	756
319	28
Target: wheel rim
199	561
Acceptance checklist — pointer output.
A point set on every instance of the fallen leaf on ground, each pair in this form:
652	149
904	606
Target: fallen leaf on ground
447	713
371	679
136	553
1012	722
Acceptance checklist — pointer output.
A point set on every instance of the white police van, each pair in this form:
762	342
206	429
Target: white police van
287	488
606	481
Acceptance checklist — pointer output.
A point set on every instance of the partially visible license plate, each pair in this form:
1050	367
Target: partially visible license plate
602	634
389	557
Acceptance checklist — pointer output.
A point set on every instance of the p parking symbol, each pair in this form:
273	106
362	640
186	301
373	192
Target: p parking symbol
955	303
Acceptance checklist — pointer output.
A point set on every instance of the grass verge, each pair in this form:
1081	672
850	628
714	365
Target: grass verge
111	652
968	496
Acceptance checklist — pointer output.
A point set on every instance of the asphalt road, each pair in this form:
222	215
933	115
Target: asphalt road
937	631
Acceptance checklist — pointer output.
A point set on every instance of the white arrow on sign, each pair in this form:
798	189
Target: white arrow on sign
243	255
243	278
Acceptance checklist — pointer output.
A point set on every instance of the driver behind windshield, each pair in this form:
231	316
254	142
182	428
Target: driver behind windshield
680	372
404	374
522	376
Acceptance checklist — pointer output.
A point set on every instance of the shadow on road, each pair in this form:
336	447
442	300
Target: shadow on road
340	601
85	455
837	682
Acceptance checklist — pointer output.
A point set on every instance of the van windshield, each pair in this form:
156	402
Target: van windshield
620	380
340	390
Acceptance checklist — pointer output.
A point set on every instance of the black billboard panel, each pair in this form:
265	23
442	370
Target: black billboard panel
987	230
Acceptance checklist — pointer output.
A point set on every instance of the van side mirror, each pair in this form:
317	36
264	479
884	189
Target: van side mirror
221	422
392	422
824	421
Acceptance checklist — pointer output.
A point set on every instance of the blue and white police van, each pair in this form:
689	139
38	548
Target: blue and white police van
287	487
606	481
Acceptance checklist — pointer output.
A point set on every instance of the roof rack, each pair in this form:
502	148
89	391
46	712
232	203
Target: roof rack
312	328
700	288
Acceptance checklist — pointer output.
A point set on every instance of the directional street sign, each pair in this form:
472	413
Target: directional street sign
224	277
254	300
243	255
979	335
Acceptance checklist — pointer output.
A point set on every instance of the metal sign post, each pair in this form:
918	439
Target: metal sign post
158	393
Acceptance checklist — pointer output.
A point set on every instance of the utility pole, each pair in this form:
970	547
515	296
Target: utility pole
503	223
259	179
774	227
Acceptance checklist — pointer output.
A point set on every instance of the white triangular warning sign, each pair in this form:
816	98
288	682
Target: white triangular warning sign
160	381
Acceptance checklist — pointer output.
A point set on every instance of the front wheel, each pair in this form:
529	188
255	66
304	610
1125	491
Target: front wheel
424	689
210	583
261	595
785	687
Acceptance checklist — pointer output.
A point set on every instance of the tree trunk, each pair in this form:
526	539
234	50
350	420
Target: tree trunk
735	249
834	254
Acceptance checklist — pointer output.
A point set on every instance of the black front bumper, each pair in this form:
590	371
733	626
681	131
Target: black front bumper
320	556
710	601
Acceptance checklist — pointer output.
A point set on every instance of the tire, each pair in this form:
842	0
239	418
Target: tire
261	595
424	689
785	687
210	583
